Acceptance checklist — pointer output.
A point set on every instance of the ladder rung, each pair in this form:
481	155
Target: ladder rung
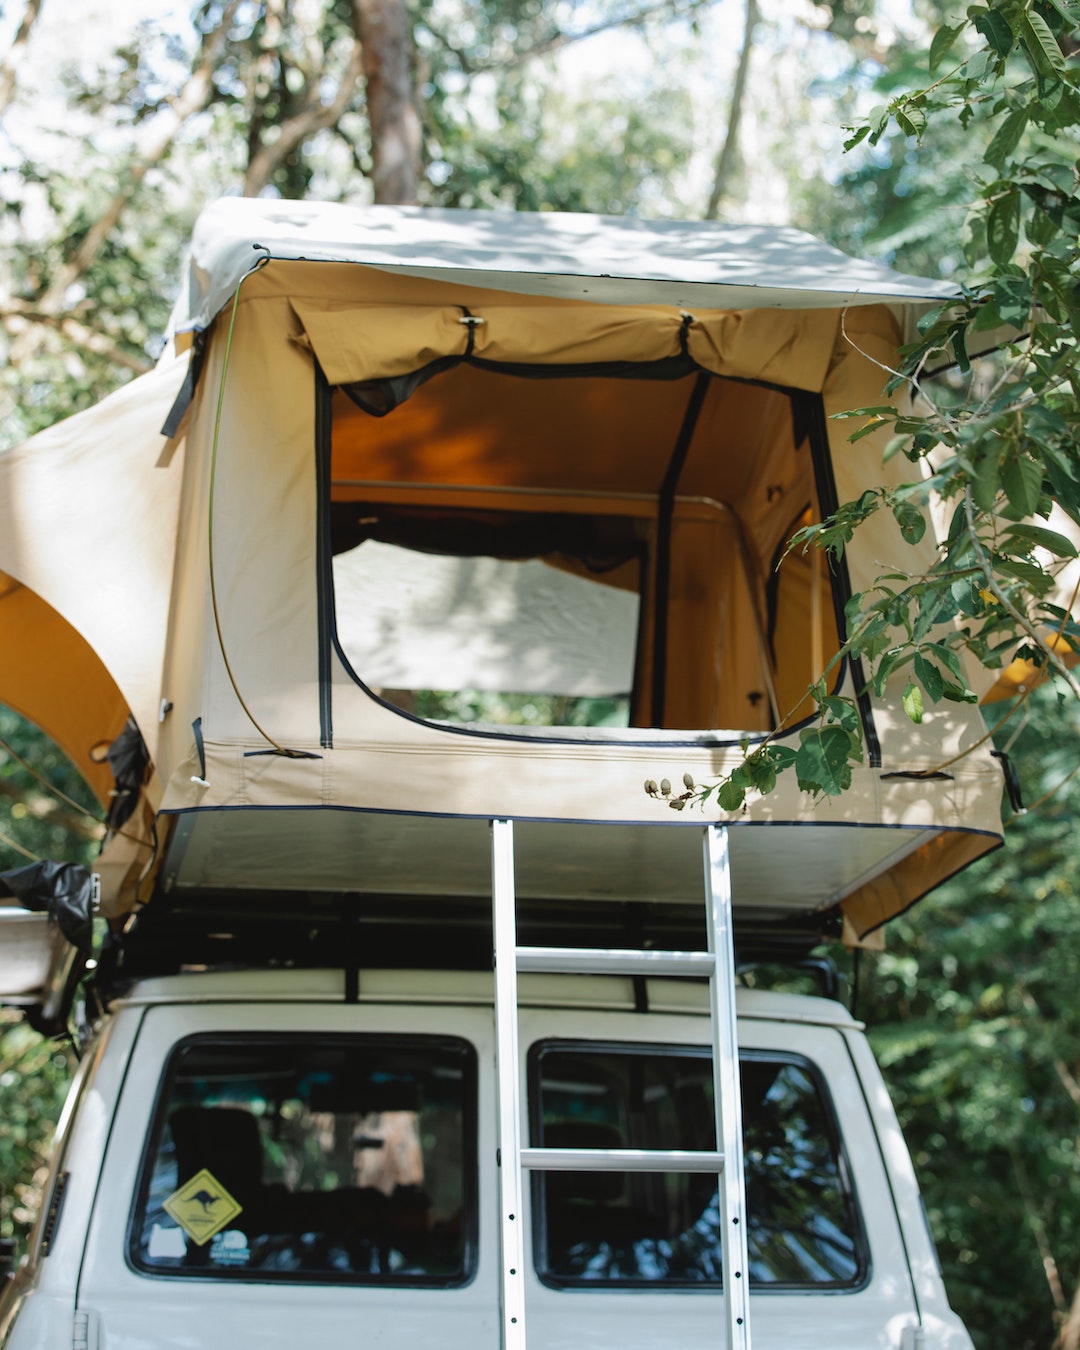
621	1160
603	961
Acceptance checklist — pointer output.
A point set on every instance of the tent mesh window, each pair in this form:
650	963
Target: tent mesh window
577	547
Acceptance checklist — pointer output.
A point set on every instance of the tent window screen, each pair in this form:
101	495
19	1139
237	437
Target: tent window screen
289	1159
600	1229
579	549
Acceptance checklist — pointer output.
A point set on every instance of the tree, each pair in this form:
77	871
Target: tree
975	1022
1000	453
995	444
354	100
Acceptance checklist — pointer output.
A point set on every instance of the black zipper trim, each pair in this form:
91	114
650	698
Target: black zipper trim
662	570
324	574
808	415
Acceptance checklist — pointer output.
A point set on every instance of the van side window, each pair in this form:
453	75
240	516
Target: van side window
294	1158
643	1228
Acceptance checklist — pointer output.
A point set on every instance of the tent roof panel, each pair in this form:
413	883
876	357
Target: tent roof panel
601	258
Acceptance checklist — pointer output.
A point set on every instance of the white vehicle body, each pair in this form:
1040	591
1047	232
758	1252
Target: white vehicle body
80	1285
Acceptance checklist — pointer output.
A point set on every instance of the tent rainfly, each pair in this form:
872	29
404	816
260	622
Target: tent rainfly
420	468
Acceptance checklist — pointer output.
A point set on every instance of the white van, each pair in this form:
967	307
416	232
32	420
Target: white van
250	1159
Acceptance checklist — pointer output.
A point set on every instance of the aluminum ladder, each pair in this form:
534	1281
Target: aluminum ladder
718	963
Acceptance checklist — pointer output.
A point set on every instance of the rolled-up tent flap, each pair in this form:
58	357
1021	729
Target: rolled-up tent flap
371	342
88	519
52	676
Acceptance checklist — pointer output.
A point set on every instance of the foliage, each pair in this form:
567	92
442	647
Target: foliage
40	822
34	1072
270	98
34	1076
999	455
995	445
976	1024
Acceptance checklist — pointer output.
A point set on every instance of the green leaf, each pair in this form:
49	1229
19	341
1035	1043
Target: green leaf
913	703
1006	138
1013	300
1040	45
762	773
1021	481
947	656
929	677
911	520
857	134
1003	227
823	763
942	44
1070	13
1040	229
958	343
844	712
995	29
911	120
986	482
730	796
1036	536
867	429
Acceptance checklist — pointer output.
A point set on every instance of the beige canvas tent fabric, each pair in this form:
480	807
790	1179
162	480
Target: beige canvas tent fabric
204	586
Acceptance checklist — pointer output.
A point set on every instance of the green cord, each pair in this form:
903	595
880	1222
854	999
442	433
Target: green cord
281	749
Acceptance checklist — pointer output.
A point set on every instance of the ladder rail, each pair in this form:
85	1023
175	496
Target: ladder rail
508	1087
734	1256
725	1161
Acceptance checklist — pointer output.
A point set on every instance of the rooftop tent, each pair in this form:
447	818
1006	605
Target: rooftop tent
429	467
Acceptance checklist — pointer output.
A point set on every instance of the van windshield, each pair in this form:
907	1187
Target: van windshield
345	1159
646	1228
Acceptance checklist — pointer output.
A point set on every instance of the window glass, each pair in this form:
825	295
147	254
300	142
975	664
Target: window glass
293	1158
642	1227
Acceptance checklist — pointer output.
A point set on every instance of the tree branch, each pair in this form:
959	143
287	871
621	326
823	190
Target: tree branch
9	68
192	99
17	317
49	810
1068	1338
314	115
557	41
1038	1231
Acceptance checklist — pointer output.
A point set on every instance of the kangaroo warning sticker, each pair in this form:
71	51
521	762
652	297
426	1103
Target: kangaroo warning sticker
202	1207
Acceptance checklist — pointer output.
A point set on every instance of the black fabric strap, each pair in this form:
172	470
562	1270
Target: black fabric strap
187	389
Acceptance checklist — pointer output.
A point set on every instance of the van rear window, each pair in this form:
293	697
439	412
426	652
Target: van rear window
647	1228
291	1158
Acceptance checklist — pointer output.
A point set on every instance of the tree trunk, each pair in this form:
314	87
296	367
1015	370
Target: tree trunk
728	158
386	36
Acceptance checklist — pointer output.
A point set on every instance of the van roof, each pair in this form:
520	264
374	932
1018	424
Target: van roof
594	993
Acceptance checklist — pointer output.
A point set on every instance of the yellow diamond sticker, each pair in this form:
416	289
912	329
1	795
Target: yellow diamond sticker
202	1207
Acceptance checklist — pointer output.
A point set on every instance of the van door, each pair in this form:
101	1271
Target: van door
289	1174
632	1259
